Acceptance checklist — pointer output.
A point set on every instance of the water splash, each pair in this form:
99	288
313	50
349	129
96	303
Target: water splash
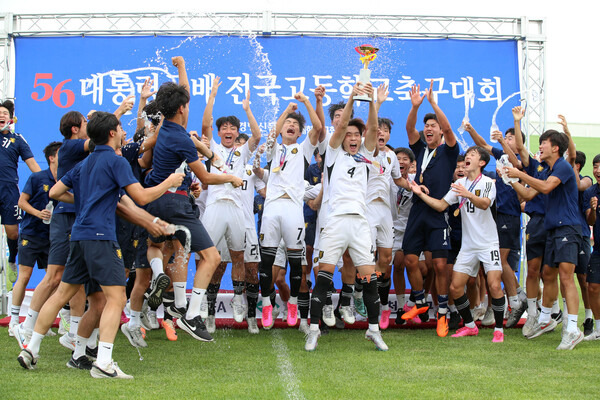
494	126
469	97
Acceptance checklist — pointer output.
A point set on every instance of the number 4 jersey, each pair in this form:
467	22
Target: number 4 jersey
478	226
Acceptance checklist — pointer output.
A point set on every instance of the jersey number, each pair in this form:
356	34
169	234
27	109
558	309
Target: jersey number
244	184
351	172
5	143
470	207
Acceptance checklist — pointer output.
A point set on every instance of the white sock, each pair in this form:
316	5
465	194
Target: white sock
401	299
555	307
386	307
93	339
572	325
498	330
374	327
80	345
30	320
266	301
452	308
157	267
35	342
545	315
565	309
521	294
598	325
134	319
180	295
470	325
588	313
293	300
195	303
314	327
14	314
532	306
104	354
358	295
74	326
513	301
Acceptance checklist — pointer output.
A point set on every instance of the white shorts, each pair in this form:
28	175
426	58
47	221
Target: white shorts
467	260
223	251
282	219
224	219
379	216
397	246
348	231
321	222
281	256
252	252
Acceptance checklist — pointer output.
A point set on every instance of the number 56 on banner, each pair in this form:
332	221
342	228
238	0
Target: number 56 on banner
55	93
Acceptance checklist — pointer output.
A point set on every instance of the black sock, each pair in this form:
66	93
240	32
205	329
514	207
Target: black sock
238	287
273	298
211	296
265	269
371	298
295	261
330	290
358	287
252	294
346	295
303	304
319	295
462	305
383	287
13	248
498	308
168	299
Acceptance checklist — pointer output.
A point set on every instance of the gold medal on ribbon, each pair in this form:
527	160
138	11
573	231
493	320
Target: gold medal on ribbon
421	177
456	212
276	169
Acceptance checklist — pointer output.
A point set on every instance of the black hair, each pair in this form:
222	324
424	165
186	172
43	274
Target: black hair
580	159
389	146
483	154
140	134
385	121
511	131
100	126
429	116
357	122
170	97
152	112
50	150
407	151
556	139
596	159
298	117
242	136
232	119
461	158
10	106
68	121
338	106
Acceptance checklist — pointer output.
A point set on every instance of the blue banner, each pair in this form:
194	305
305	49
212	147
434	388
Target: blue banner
56	75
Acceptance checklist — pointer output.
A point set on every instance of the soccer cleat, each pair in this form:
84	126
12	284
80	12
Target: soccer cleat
64	325
328	316
416	310
311	340
399	320
292	314
360	307
12	272
384	319
478	312
588	327
176	312
50	333
529	324
339	322
159	285
211	326
91	353
81	363
10	329
515	315
169	329
347	314
267	317
541	328
67	341
124	318
196	328
595	335
27	359
22	335
570	340
558	317
466	331
453	321
442	325
111	371
304	327
376	338
203	309
149	320
252	325
498	337
276	311
239	310
134	335
488	317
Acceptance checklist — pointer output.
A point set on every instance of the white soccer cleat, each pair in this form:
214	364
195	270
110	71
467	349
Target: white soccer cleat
328	316
311	340
347	314
376	338
111	371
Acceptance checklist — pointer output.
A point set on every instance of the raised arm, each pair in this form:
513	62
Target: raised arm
512	158
254	127
207	117
126	105
518	114
315	132
479	141
382	94
145	93
416	99
339	134
292	107
571	152
449	137
372	125
179	63
319	94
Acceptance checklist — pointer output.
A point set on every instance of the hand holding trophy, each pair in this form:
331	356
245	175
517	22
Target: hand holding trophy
368	54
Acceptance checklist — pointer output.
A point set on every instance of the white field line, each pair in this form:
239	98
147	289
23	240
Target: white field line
286	370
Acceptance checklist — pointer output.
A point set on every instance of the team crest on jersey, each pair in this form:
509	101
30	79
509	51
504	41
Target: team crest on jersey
248	172
119	254
135	243
260	206
477	192
320	254
294	150
12	140
237	153
24	242
315	179
540	168
46	188
527	237
262	237
389	160
316	260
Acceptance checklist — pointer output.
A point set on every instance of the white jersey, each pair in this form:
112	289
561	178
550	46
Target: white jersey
478	226
402	200
235	159
348	181
251	184
311	191
379	186
200	200
291	161
325	181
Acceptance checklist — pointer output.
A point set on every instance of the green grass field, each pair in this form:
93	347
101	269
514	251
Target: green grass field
274	365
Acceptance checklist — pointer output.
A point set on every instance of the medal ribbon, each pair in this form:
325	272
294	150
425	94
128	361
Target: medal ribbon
463	201
360	158
229	161
282	157
426	159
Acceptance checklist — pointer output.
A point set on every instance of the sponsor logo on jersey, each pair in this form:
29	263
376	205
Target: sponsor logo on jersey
46	188
24	242
294	150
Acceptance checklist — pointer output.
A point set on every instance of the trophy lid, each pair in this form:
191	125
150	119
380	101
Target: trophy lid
366	49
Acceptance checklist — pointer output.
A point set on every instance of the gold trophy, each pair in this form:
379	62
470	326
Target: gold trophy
368	54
